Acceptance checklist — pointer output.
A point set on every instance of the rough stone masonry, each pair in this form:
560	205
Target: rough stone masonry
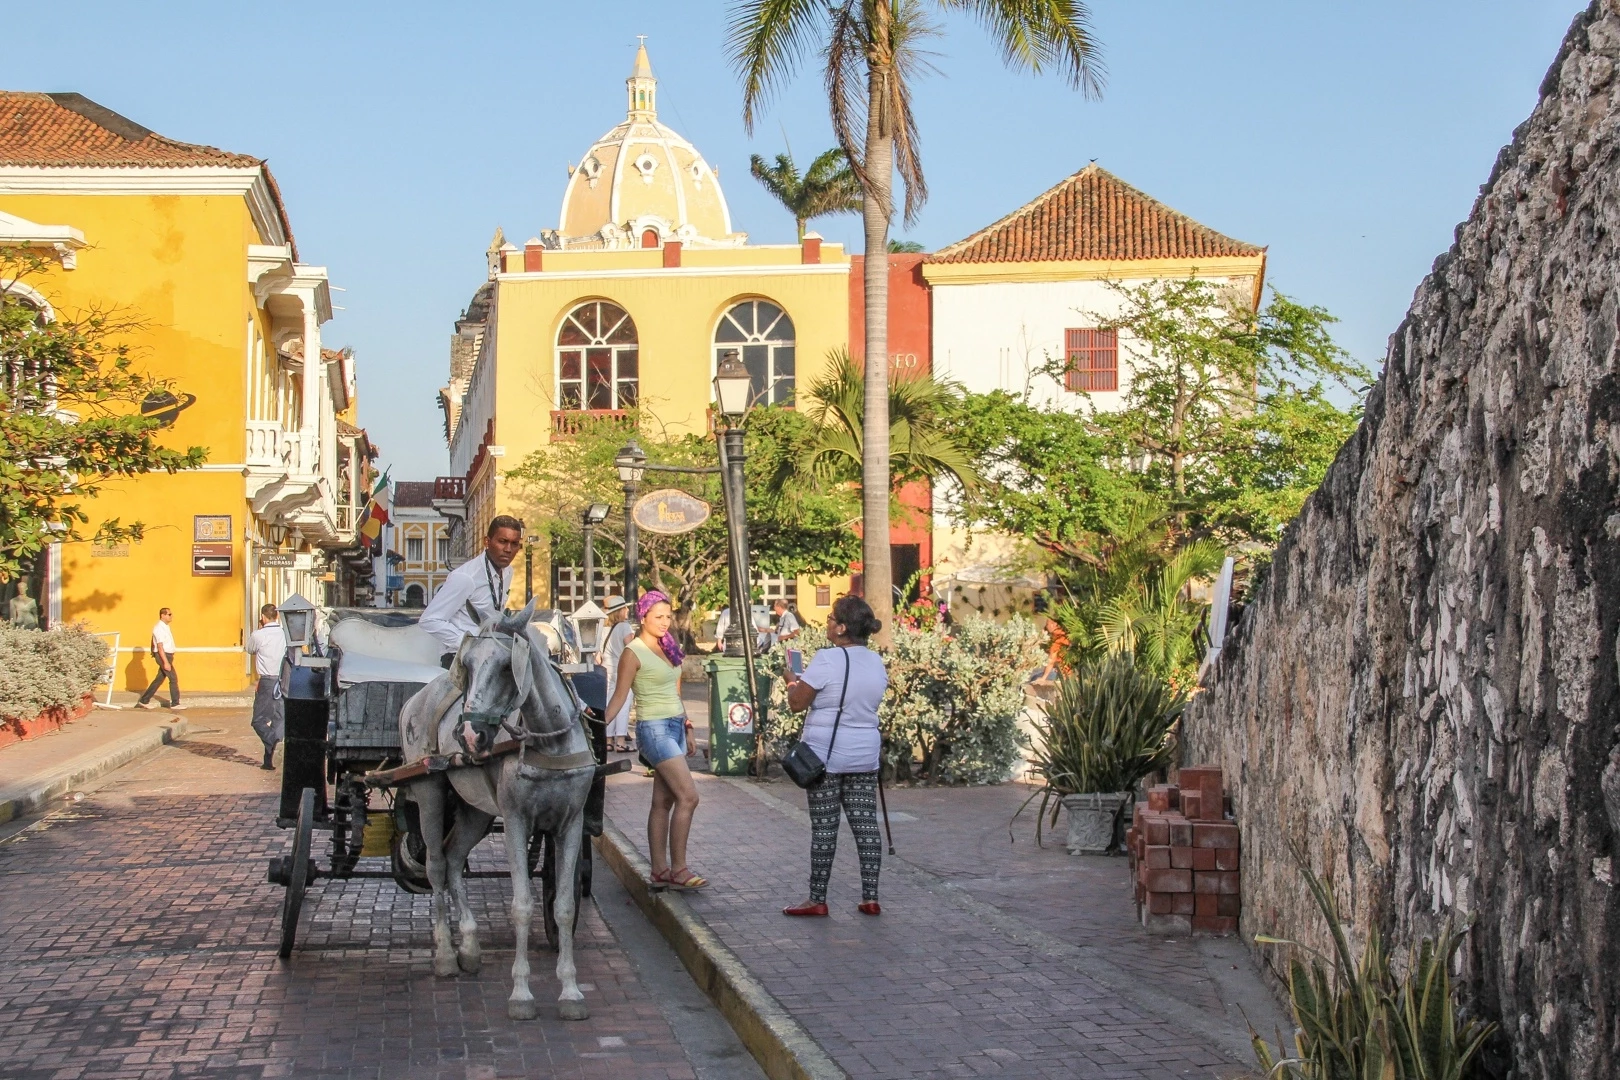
1424	692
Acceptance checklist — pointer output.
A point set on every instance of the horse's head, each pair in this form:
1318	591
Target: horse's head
496	669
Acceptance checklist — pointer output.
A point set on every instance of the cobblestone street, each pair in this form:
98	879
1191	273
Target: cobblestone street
989	958
139	941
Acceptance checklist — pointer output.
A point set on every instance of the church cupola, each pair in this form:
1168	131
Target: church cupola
642	87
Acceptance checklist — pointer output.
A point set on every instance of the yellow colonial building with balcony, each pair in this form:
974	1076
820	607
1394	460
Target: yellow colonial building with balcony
194	245
627	304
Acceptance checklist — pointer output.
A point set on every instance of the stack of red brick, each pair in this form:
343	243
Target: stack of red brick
1184	856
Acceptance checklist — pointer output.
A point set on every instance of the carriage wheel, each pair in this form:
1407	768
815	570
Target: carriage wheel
548	889
297	872
410	863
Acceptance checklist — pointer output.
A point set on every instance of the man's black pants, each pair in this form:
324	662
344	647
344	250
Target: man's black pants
174	685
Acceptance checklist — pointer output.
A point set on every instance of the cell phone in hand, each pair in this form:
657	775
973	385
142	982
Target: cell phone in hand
795	661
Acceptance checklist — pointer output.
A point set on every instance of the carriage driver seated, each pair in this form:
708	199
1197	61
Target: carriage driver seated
483	582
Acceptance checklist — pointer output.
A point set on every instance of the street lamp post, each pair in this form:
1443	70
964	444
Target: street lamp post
594	515
733	391
631	463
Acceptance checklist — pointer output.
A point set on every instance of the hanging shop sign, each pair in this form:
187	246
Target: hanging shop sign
670	511
277	560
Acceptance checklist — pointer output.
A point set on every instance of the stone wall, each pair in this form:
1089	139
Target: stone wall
1423	694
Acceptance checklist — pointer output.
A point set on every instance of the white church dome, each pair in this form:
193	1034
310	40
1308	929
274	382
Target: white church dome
642	184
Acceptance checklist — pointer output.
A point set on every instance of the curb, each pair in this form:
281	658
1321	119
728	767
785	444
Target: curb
34	793
783	1049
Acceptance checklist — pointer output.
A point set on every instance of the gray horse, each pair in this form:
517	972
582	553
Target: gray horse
504	683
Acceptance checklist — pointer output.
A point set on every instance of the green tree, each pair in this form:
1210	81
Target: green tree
905	247
1226	410
871	53
70	420
921	445
793	528
827	187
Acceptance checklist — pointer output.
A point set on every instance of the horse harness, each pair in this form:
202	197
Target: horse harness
486	726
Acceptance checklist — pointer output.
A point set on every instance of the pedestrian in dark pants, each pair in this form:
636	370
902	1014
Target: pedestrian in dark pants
842	687
268	647
163	653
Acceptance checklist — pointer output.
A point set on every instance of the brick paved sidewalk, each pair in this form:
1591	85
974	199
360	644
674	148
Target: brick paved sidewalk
990	958
137	939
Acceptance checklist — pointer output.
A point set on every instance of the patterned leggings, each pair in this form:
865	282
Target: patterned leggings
857	792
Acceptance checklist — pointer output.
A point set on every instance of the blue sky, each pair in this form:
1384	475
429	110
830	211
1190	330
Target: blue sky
1350	138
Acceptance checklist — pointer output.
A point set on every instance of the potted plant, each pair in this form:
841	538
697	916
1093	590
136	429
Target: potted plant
1109	725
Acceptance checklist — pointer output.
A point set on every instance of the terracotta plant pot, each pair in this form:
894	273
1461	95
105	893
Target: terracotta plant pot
1091	821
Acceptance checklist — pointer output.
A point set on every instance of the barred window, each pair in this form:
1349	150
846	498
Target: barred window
1093	359
763	334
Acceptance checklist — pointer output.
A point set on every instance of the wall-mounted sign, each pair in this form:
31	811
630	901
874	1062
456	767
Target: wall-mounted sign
211	560
277	560
211	529
109	551
670	511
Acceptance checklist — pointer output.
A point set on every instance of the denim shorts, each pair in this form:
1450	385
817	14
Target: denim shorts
660	740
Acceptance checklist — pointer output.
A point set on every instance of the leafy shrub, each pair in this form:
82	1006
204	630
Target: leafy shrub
1362	1020
1110	725
951	714
41	669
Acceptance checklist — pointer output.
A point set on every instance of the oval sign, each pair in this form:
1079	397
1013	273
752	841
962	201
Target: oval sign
670	511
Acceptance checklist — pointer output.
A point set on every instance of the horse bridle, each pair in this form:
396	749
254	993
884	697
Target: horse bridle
485	725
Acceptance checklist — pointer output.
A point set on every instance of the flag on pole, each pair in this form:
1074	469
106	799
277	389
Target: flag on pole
376	514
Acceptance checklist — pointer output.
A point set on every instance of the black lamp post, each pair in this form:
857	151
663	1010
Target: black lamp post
593	516
733	392
631	463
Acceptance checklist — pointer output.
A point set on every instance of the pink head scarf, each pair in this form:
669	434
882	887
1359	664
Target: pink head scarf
672	648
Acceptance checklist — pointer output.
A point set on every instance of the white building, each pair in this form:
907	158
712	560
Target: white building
1033	288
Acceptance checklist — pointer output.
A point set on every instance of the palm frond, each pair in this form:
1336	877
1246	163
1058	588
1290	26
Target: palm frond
1035	35
766	40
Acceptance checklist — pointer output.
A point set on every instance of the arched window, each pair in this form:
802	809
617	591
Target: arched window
29	383
763	333
597	358
414	597
649	238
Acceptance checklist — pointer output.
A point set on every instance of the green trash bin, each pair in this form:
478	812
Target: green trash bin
731	721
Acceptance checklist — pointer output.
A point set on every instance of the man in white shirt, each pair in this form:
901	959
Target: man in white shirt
268	647
787	624
484	582
163	654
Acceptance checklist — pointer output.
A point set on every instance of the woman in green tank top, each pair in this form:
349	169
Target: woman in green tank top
651	667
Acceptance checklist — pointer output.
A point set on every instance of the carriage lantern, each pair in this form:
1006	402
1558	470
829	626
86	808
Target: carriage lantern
297	620
588	620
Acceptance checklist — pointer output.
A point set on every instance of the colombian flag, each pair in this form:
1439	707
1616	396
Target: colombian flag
376	515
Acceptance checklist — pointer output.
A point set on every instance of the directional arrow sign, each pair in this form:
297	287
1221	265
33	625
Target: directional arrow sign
211	560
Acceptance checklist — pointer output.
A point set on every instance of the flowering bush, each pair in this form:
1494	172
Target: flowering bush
40	669
951	714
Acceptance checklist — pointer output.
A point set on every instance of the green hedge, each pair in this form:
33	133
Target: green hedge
40	669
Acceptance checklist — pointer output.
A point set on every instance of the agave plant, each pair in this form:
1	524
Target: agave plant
1110	725
1358	1021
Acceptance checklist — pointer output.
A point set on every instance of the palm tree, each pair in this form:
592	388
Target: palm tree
827	187
870	52
920	447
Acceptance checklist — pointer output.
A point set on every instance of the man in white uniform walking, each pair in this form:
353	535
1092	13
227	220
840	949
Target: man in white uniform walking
162	652
268	647
483	582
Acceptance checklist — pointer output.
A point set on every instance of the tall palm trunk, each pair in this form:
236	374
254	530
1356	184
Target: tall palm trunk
876	208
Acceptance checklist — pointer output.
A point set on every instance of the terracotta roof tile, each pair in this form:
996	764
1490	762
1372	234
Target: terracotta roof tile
1092	215
55	130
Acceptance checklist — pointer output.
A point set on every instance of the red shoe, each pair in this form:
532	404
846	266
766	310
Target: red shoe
809	909
870	907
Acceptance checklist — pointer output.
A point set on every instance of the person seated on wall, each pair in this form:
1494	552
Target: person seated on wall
484	582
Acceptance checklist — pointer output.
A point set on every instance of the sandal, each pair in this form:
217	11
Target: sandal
690	883
659	880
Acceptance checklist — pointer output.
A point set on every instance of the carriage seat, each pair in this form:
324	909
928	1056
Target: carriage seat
373	653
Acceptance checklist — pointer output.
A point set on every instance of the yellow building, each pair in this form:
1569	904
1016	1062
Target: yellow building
195	244
628	303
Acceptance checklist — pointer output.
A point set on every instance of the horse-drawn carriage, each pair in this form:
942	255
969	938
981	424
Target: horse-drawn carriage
358	720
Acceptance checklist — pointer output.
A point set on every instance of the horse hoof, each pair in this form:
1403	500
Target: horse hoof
573	1010
521	1010
469	962
445	967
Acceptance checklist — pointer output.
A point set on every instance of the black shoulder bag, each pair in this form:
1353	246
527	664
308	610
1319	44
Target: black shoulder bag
802	764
